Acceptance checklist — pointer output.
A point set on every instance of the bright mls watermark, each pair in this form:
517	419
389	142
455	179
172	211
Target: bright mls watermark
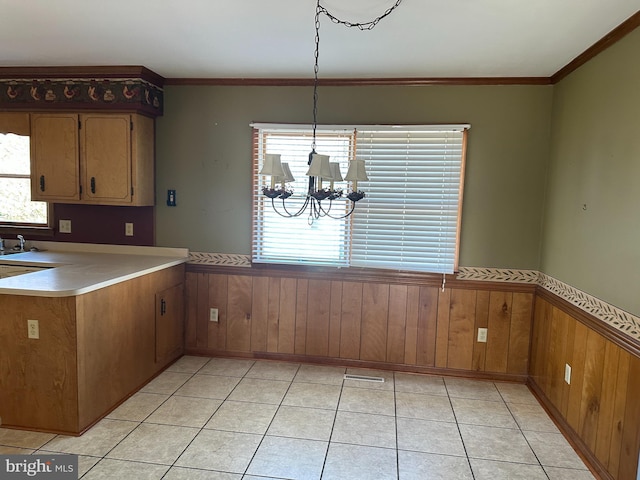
50	467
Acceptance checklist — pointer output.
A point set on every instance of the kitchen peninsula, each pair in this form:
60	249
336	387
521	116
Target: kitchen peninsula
85	331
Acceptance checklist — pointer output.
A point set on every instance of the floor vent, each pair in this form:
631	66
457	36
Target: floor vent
364	378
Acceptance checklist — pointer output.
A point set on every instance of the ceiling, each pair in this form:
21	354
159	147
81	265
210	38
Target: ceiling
274	38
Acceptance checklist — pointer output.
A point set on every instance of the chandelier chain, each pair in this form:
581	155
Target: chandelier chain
362	26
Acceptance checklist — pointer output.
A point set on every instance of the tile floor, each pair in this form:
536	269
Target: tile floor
234	419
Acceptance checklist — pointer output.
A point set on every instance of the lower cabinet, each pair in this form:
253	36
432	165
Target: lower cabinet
94	350
169	323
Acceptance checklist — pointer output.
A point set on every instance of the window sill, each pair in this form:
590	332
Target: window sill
27	231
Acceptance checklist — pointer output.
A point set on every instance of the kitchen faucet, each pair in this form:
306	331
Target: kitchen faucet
21	240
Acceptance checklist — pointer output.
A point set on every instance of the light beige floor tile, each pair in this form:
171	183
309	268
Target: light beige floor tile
492	470
416	383
516	393
259	390
358	462
228	452
208	386
502	444
289	458
109	469
86	463
302	422
138	407
227	367
96	442
188	364
532	417
425	407
430	437
181	473
4	450
313	395
553	450
482	412
388	383
364	400
253	477
23	438
556	473
166	383
320	374
153	443
273	371
364	429
422	466
244	417
185	411
476	389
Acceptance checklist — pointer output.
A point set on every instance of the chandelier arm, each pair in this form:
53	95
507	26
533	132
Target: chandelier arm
288	214
353	206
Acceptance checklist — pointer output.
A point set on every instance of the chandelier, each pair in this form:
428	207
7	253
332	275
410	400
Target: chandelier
321	169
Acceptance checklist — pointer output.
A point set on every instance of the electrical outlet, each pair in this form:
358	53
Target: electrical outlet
482	335
567	373
128	229
64	226
213	314
33	329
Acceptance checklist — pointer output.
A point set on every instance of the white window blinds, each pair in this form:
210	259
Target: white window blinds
409	218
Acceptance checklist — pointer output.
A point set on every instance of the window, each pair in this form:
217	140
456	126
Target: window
16	208
409	218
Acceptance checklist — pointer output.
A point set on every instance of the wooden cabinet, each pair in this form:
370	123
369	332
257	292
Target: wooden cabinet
169	323
95	158
94	350
55	165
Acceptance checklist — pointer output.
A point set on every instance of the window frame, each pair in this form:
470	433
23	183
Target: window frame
19	123
453	239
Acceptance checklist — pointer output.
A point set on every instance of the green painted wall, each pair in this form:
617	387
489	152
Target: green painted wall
595	161
204	152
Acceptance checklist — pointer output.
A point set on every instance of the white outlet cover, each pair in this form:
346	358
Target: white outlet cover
482	335
33	329
128	229
213	314
567	373
64	226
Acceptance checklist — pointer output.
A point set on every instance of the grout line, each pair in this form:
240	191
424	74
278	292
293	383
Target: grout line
455	417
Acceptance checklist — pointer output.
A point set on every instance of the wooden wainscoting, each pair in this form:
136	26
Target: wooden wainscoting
383	322
600	409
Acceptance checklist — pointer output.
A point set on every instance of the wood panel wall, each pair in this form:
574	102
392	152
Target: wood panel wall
419	327
600	408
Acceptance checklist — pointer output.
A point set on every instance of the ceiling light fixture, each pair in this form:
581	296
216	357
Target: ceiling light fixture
320	166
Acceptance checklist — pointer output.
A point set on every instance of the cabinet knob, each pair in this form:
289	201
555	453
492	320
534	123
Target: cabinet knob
93	184
42	183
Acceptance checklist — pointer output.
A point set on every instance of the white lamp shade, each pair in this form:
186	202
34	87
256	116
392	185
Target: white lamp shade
272	165
356	171
320	166
288	177
336	175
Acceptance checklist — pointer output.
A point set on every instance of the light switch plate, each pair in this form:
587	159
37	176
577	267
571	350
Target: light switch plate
567	373
128	229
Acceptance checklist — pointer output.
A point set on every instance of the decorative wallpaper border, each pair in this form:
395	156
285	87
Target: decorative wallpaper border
609	314
98	93
226	259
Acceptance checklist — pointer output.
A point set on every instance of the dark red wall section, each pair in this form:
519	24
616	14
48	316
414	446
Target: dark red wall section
105	224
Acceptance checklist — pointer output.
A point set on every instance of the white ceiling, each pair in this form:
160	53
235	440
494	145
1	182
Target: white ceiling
274	38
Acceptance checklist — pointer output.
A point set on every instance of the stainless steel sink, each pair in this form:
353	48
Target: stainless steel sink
9	252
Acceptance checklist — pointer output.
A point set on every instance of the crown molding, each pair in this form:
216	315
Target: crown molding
601	45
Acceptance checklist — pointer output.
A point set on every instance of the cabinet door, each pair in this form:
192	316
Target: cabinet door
169	324
55	175
105	147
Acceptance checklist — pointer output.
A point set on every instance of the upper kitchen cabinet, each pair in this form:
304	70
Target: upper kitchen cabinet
93	158
55	165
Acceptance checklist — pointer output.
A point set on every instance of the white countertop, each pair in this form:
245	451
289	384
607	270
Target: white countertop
81	268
